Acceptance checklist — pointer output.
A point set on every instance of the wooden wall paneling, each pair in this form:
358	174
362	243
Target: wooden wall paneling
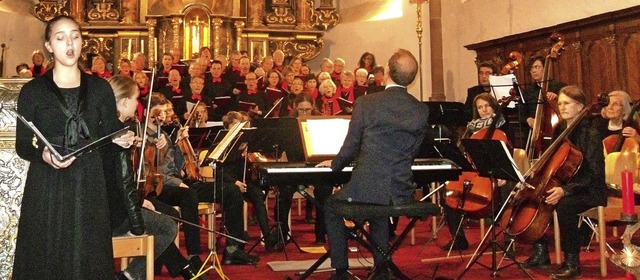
630	64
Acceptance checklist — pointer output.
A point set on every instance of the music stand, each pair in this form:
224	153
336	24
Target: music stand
492	159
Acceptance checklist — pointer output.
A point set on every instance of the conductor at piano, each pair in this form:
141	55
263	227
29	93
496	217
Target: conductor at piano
384	136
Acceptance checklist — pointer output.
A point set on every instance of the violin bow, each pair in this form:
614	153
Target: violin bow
146	125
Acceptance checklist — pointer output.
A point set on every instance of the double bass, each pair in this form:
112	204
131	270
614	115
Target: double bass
527	215
546	110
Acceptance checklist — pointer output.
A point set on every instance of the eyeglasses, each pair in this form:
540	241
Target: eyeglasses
305	110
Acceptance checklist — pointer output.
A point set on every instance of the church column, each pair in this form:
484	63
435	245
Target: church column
437	60
175	28
239	25
78	9
303	15
216	31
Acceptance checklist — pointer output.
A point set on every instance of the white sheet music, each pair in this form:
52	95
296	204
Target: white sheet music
501	85
326	135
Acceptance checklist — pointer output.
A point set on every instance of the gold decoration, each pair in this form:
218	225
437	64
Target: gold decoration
48	9
304	12
281	14
103	11
306	50
325	18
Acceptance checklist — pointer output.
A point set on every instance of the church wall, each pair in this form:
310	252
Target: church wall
22	34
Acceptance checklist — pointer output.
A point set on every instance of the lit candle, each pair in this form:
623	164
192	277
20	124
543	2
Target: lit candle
155	49
628	199
142	45
129	50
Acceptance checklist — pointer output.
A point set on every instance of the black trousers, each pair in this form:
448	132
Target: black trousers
285	199
568	209
230	197
187	200
256	197
338	234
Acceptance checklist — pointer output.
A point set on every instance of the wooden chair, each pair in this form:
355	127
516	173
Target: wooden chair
134	246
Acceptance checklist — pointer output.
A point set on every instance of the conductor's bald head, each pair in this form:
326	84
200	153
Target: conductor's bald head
403	67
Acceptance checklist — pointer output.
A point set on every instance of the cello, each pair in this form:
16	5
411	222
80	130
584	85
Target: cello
527	215
473	193
546	110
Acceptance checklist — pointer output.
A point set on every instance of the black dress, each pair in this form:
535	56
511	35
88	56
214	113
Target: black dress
64	231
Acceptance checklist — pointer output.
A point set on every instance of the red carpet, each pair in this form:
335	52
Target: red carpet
409	258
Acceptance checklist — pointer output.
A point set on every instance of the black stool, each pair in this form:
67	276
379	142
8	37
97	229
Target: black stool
359	213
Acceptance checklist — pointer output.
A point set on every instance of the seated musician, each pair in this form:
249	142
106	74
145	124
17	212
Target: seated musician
614	114
178	193
235	175
303	106
485	111
126	215
585	190
384	148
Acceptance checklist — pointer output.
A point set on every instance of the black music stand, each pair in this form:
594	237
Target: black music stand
492	159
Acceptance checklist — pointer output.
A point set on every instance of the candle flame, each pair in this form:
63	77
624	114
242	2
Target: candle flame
631	257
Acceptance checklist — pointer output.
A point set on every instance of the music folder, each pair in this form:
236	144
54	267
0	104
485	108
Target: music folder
222	103
77	152
492	159
246	106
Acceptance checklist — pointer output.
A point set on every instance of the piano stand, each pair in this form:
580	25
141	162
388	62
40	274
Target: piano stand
359	213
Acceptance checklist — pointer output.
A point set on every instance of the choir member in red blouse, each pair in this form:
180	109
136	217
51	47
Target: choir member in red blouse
361	87
345	90
367	61
287	75
328	103
378	79
99	67
139	63
124	68
38	67
311	86
296	65
143	85
326	66
338	66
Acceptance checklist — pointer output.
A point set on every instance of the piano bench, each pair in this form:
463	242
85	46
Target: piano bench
359	213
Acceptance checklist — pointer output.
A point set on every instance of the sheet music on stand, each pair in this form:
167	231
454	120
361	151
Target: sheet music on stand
492	159
225	148
501	85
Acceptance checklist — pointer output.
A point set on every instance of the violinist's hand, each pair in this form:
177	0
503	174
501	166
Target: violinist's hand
242	186
551	96
161	142
326	163
256	110
530	122
137	141
148	205
502	182
125	140
186	116
629	132
555	194
49	158
184	132
236	91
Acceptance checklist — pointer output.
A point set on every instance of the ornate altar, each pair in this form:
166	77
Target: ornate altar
119	28
13	172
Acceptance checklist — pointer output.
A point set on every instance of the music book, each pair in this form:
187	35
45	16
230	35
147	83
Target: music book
78	152
222	103
273	94
345	103
241	86
180	67
222	150
246	106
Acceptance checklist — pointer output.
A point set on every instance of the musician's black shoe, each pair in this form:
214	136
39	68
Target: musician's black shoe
456	244
570	268
539	257
340	274
121	276
195	262
239	257
190	272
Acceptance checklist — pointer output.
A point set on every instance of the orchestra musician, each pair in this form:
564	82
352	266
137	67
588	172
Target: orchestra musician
178	193
614	114
127	217
384	148
585	190
485	109
530	94
485	69
63	229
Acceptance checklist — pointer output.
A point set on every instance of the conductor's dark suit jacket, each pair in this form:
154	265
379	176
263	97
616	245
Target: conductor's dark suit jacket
384	136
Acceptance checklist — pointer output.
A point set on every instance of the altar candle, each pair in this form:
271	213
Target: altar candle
142	45
628	199
129	50
155	49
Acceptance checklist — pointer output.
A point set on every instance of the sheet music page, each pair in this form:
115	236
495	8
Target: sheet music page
325	136
500	87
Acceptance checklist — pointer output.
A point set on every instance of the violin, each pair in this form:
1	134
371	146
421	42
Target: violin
190	161
527	215
546	110
154	180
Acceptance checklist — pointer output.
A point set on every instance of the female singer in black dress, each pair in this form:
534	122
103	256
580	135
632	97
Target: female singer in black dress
64	231
585	190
